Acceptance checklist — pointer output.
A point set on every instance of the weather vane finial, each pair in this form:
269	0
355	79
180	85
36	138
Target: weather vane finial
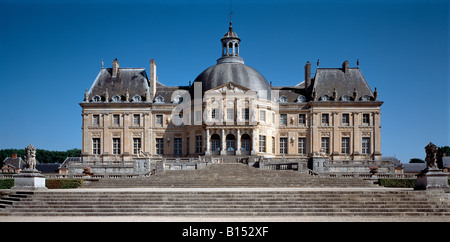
231	12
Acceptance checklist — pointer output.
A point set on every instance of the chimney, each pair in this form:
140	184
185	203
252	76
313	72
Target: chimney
115	68
14	156
345	67
153	78
307	75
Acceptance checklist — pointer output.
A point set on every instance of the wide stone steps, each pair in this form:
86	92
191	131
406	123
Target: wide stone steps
230	175
229	203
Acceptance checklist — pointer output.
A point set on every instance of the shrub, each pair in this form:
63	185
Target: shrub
407	183
50	184
6	183
63	184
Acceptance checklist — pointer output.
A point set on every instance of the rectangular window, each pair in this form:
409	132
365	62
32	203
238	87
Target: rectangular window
116	146
262	115
302	119
325	119
213	113
283	119
365	145
159	120
302	145
283	145
273	145
262	143
136	145
366	119
177	142
116	120
246	114
345	119
159	146
345	145
96	146
96	120
325	145
136	119
230	114
198	144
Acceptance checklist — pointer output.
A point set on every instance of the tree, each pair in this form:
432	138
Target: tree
416	160
42	156
439	154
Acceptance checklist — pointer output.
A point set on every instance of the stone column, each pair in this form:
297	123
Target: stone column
377	136
107	138
254	134
208	143
356	134
335	137
238	140
223	144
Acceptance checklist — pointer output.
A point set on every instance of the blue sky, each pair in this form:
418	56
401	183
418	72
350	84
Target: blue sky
51	51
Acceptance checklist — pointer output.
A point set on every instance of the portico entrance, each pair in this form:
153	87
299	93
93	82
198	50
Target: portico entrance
229	142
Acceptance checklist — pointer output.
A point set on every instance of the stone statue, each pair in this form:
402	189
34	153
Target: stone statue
106	95
86	96
30	159
431	149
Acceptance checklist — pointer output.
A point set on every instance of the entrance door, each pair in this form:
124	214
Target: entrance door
245	144
231	144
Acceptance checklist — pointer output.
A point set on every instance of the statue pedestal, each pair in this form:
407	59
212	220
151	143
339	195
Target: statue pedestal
431	178
29	179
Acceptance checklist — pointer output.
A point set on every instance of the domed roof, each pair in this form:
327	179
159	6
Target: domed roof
237	73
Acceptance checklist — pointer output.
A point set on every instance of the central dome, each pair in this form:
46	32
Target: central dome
231	68
238	73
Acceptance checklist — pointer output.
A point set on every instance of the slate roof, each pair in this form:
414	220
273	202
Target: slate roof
414	167
16	163
48	167
326	80
134	80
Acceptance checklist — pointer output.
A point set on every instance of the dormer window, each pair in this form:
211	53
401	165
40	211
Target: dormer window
325	98
178	99
159	99
96	99
137	98
365	98
345	98
301	99
283	99
116	98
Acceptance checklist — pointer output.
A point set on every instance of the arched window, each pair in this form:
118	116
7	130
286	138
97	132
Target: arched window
116	98
365	98
178	99
345	98
325	98
159	99
96	99
137	98
283	99
301	99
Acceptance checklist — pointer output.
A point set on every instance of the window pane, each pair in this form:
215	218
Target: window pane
283	145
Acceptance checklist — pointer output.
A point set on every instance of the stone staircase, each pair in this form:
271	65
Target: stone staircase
228	202
229	175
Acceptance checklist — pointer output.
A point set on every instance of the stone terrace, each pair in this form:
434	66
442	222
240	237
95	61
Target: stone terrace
230	175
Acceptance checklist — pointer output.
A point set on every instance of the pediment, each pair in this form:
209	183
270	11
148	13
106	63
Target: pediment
230	87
